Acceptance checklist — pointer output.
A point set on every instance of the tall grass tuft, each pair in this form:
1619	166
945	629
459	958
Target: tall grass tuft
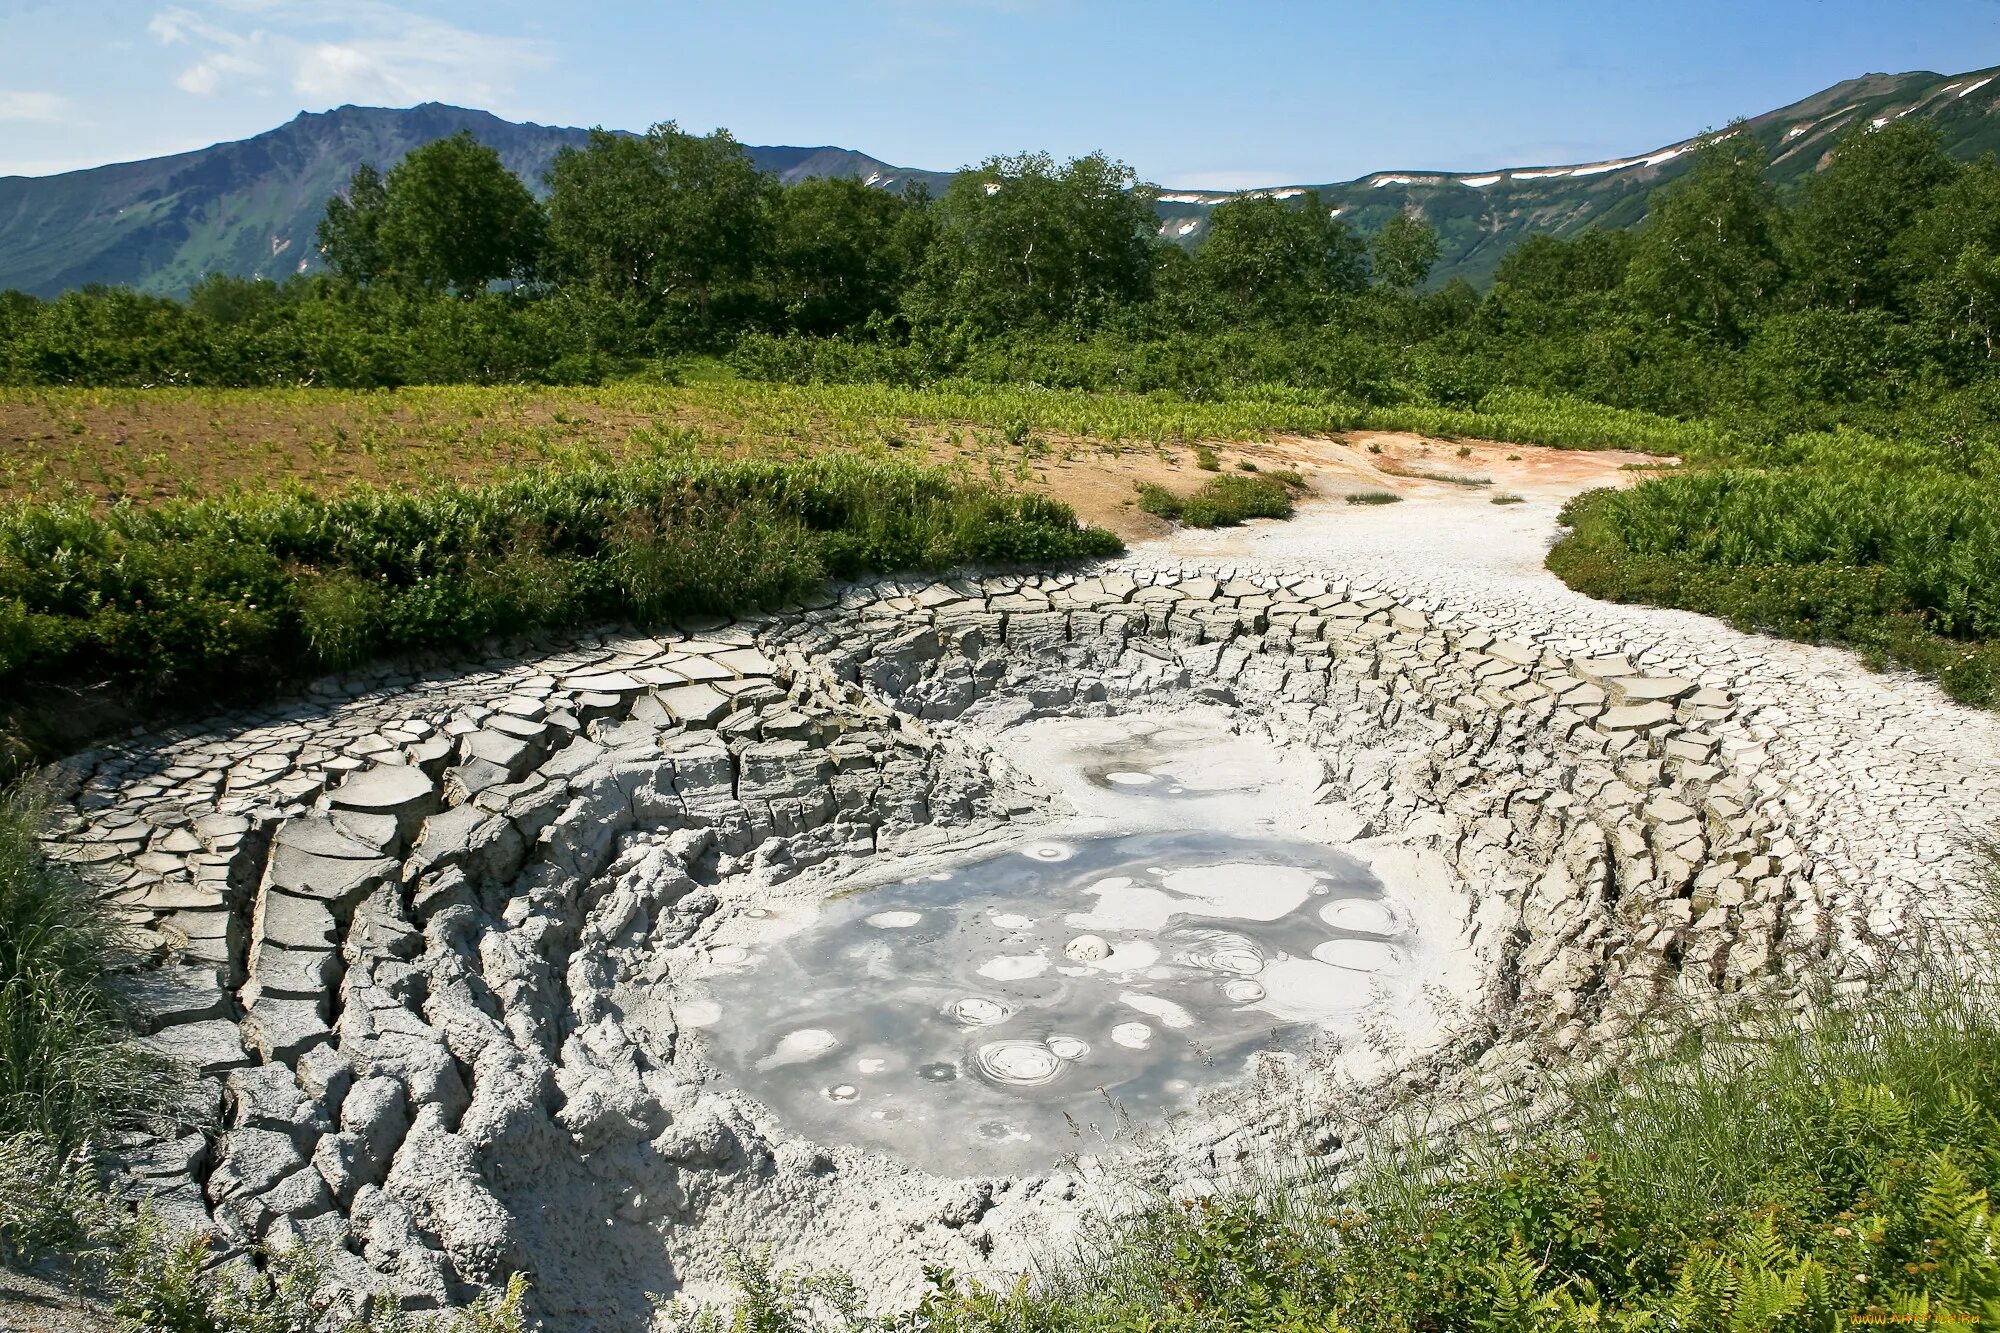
68	1071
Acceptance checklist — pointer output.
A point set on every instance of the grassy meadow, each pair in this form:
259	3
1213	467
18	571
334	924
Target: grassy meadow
147	445
1864	539
162	541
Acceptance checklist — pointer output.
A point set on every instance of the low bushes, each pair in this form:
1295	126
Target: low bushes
213	595
308	332
1888	551
1225	500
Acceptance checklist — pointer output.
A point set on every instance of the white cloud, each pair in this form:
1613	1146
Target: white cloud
46	108
208	74
362	51
231	57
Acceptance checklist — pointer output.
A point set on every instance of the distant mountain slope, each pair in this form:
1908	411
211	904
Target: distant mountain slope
251	207
1482	215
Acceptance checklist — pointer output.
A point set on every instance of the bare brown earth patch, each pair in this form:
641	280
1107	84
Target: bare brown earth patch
1410	466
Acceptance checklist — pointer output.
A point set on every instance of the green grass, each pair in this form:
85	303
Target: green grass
67	1072
1520	416
206	597
1374	498
1513	415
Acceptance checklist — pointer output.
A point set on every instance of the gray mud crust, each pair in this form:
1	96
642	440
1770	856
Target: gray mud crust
430	940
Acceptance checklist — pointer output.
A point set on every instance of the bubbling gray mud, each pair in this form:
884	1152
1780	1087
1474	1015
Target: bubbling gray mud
1000	1014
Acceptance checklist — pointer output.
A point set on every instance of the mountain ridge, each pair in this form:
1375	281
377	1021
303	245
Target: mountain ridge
249	206
1480	215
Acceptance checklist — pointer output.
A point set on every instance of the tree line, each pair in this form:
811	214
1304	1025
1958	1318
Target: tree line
449	268
1873	286
693	246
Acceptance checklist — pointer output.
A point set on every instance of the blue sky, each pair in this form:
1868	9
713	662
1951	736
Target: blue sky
1189	93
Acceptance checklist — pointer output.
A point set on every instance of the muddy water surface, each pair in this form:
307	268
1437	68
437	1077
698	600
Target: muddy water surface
996	1015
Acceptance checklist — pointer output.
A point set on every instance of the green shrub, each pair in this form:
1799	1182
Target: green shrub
201	598
1157	499
1207	459
694	558
1374	498
1223	501
341	616
1849	540
1236	498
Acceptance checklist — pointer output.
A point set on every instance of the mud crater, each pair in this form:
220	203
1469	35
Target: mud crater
921	925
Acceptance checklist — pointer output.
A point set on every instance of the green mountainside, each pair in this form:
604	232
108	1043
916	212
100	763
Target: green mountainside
250	207
1482	215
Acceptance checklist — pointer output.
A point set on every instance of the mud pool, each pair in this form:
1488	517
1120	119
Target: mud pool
1006	1009
1009	1011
